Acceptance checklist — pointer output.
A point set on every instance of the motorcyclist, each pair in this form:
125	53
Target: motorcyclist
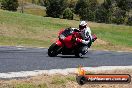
86	39
85	33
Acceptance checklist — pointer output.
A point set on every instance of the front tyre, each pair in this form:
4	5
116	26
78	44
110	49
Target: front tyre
53	50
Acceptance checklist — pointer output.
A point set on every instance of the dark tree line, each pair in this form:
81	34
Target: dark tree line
10	5
110	11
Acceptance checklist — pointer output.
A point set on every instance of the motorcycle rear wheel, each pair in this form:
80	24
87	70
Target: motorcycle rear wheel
80	53
53	50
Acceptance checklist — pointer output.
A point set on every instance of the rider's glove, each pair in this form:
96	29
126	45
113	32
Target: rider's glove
79	40
82	41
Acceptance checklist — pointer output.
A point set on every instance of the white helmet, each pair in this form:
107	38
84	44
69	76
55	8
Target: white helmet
82	25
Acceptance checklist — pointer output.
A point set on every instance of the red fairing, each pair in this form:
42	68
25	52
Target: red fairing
68	40
78	40
68	43
94	37
59	43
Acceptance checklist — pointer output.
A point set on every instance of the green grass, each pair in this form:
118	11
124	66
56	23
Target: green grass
71	78
54	81
117	35
26	20
25	29
24	85
58	81
35	11
31	30
30	85
4	40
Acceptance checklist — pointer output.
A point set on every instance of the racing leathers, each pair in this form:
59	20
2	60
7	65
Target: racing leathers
86	36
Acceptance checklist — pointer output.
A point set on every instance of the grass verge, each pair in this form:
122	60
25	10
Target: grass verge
30	30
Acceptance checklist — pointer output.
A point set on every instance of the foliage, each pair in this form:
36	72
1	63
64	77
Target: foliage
10	5
104	12
72	3
101	15
119	16
109	11
86	9
129	21
93	4
107	4
55	8
124	4
82	9
68	14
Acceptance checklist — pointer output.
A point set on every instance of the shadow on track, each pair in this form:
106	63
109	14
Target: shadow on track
72	57
67	56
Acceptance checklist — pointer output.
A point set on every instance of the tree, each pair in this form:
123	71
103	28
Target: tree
124	4
101	15
72	3
109	5
55	8
81	6
68	14
86	9
129	21
104	12
10	5
119	16
93	4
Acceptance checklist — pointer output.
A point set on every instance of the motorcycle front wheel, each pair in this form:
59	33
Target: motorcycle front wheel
53	50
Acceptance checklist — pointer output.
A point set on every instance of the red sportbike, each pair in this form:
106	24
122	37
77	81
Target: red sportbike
67	44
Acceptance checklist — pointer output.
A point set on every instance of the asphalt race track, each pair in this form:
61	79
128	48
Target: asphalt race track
14	59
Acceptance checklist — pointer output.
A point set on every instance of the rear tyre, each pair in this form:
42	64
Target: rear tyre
81	52
78	53
53	50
